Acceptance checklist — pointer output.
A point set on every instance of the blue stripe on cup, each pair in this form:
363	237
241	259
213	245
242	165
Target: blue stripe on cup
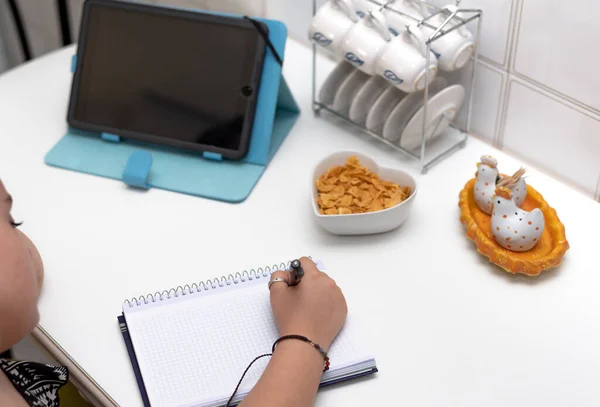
321	39
392	77
353	59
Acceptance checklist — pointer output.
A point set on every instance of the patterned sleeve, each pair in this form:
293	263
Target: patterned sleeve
36	382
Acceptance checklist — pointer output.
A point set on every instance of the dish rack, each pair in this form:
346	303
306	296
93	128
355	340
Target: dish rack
455	136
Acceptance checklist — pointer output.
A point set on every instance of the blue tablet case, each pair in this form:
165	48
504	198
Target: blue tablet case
145	165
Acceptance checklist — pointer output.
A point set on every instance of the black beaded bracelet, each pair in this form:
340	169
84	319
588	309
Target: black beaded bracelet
283	338
305	339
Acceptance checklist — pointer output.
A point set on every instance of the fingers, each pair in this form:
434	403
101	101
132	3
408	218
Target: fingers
280	286
308	266
330	281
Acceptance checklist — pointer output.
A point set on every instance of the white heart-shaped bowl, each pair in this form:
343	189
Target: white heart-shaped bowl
364	223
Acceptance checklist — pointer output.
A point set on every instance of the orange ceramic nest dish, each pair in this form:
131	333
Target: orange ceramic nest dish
546	254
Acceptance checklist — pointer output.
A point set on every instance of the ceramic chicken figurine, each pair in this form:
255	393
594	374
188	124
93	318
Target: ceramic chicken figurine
513	228
488	176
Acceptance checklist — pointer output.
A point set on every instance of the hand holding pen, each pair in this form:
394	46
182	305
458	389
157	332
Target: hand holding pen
316	308
294	277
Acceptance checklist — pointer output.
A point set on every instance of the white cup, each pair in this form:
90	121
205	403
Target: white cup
365	41
396	21
403	63
454	49
331	23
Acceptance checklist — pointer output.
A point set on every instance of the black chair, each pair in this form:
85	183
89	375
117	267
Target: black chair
65	28
16	14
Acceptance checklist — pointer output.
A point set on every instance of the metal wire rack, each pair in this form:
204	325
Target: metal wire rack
451	22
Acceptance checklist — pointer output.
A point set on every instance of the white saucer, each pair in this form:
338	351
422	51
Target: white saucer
366	96
382	108
348	90
334	81
441	110
402	113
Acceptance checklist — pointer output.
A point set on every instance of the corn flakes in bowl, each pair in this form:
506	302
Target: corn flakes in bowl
352	195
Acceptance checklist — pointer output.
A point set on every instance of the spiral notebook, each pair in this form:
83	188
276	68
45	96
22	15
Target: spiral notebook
189	346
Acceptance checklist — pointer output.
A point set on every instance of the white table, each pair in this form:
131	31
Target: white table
447	328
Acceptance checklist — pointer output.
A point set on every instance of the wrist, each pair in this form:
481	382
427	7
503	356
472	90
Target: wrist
301	351
320	340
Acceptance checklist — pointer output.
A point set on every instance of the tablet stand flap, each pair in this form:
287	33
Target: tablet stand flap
137	169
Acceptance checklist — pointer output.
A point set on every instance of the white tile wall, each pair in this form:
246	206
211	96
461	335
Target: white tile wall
488	97
537	93
296	14
557	45
495	32
553	134
257	8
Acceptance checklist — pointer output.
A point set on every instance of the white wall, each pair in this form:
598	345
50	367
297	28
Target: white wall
537	92
296	14
538	86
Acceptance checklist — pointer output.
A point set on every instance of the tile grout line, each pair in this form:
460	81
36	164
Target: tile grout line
509	37
555	92
514	35
558	99
504	112
500	114
491	62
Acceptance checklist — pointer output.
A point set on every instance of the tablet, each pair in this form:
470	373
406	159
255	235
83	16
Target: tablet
180	78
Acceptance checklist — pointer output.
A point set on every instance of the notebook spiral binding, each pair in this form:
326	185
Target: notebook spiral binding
202	286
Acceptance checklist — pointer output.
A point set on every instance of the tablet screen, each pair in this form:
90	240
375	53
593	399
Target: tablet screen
168	74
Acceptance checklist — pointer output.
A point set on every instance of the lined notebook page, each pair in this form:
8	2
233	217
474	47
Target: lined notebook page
193	350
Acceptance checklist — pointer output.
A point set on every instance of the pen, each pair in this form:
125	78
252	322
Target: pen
296	272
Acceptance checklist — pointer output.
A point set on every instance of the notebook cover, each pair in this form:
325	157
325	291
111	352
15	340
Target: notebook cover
179	171
134	361
140	380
